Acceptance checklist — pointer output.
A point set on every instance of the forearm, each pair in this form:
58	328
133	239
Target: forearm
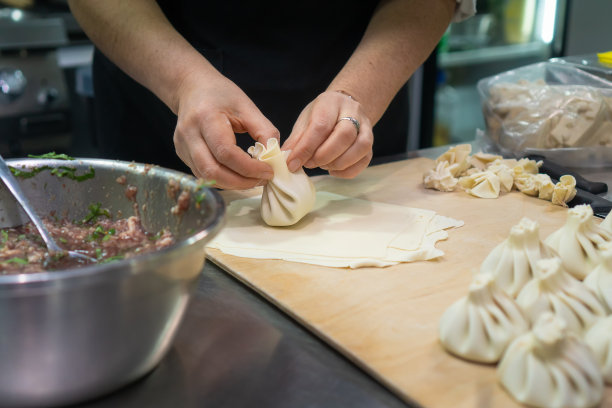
137	37
400	36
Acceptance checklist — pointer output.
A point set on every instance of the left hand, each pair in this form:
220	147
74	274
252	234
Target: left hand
320	139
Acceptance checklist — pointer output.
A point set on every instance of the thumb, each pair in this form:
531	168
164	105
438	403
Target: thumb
258	126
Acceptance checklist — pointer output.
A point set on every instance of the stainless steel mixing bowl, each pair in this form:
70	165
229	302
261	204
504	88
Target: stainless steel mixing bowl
67	336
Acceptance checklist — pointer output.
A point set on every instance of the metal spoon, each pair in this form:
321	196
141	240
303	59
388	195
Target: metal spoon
13	185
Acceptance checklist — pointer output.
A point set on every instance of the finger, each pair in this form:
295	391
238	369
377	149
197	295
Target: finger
256	124
205	166
342	138
297	131
219	137
320	126
359	149
353	170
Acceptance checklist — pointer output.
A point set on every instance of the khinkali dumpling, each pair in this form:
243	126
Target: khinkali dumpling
607	222
600	279
483	184
548	367
440	178
479	326
505	174
482	160
457	158
512	262
599	339
556	291
288	196
578	240
564	191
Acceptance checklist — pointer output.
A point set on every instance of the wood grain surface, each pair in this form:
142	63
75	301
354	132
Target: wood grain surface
386	319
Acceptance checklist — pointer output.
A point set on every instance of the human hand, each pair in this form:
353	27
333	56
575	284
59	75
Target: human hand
320	139
209	112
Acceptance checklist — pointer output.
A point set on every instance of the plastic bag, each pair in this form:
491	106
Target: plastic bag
559	109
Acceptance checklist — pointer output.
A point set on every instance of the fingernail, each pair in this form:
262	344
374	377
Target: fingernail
294	165
261	183
267	175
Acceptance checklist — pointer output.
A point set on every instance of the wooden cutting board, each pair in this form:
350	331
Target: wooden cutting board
386	319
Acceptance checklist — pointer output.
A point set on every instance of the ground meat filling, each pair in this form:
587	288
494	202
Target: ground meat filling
22	250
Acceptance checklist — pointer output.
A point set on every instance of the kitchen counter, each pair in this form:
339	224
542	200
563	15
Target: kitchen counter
235	349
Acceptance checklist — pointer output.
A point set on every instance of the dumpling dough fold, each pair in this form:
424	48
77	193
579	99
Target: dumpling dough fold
479	326
556	291
288	196
549	367
600	279
578	240
599	339
512	262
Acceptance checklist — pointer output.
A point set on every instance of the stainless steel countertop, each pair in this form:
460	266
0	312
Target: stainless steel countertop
235	349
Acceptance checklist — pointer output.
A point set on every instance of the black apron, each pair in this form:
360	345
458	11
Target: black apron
281	54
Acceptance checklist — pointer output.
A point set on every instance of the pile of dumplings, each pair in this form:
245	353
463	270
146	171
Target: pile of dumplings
542	310
486	175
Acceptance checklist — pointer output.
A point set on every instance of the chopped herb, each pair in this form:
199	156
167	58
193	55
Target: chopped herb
51	155
61	171
63	240
99	253
111	259
21	237
17	260
27	174
156	236
95	211
201	185
5	236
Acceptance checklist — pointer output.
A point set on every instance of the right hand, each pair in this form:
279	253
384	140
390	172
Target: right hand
209	112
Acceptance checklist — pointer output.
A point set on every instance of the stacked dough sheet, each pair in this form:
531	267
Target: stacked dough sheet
542	310
340	231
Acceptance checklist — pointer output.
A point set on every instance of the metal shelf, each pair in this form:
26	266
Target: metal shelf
493	54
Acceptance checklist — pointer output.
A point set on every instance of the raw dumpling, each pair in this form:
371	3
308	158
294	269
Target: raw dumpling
600	279
288	196
479	326
548	367
607	222
599	339
578	240
556	291
457	158
440	178
482	160
526	165
512	262
484	184
564	191
505	174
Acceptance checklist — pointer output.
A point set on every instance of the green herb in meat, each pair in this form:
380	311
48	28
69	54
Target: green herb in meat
16	260
61	171
95	211
51	155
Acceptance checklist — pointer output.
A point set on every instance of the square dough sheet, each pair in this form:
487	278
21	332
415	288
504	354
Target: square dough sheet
340	232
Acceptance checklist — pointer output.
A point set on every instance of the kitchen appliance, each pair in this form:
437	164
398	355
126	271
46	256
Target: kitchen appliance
71	335
34	100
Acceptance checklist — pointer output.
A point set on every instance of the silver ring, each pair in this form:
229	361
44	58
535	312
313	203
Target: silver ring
353	120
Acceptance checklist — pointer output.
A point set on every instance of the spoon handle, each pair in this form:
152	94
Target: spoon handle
13	185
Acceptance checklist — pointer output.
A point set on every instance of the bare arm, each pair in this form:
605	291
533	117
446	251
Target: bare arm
400	36
137	37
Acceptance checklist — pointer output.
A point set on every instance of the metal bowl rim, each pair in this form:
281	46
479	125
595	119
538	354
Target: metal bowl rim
209	230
